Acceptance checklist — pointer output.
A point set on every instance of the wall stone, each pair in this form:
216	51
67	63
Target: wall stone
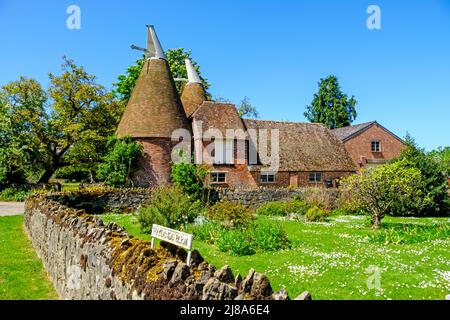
86	259
256	197
97	201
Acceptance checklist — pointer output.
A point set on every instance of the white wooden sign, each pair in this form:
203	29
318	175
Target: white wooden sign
175	237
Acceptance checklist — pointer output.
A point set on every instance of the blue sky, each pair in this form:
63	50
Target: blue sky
274	52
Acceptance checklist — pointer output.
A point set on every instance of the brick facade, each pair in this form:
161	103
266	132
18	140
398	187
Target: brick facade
154	166
360	146
240	175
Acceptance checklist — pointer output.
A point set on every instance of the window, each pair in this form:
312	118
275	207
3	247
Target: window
315	177
376	146
218	177
267	178
223	151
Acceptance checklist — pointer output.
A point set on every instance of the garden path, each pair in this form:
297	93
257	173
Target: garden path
11	208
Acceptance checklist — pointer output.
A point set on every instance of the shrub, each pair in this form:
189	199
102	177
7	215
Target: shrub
315	214
320	197
169	207
14	194
208	232
190	178
269	237
433	184
118	163
275	208
347	202
232	215
282	208
237	242
388	189
297	206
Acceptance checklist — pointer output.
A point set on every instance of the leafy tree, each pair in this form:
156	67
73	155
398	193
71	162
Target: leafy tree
175	58
23	131
434	183
119	161
442	156
69	124
190	178
246	109
331	106
390	189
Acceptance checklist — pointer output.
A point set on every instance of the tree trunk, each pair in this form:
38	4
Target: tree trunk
47	175
376	221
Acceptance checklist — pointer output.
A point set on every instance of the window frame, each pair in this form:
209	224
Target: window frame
316	174
267	175
375	143
218	173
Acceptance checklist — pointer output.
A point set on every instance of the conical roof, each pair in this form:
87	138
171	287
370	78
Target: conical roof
154	109
194	93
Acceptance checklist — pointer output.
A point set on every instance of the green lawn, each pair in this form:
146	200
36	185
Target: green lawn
330	259
22	276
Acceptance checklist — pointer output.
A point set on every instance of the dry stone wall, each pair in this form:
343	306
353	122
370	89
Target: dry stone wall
87	259
97	201
256	197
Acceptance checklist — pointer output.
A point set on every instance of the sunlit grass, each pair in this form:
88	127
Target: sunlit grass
330	259
22	275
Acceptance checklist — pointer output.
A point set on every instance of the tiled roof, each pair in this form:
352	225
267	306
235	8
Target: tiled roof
193	96
154	109
345	133
220	116
305	146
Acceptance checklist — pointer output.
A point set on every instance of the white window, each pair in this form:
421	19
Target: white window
267	177
218	177
223	151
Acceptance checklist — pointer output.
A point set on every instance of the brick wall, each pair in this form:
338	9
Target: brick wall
154	167
360	146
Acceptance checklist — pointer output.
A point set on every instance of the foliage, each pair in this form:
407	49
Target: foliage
433	184
236	242
232	215
390	189
69	124
118	163
316	214
330	106
263	237
268	237
190	178
14	194
282	208
254	237
442	156
208	232
246	109
73	173
410	233
175	58
274	208
320	197
22	121
169	207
